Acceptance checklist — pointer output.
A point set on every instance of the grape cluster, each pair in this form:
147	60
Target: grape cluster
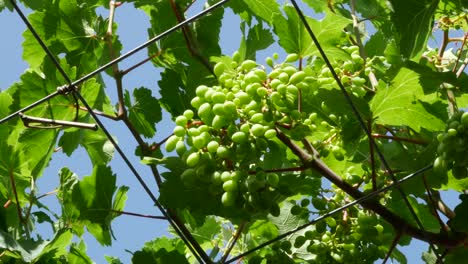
353	237
453	146
224	142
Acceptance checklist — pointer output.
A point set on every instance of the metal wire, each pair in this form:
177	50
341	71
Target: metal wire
331	213
359	118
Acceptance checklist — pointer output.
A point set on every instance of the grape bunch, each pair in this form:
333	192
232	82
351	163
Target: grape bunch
453	146
224	141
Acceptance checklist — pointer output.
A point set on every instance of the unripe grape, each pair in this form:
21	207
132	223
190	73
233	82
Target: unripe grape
256	118
282	89
218	122
179	131
193	159
212	146
299	241
262	91
193	131
198	142
171	143
251	77
229	186
275	83
181	121
236	56
216	178
290	70
297	77
243	97
464	120
261	74
204	110
230	108
272	179
239	137
292	57
218	109
188	114
219	68
223	152
181	148
269	62
196	102
247	65
284	77
218	97
296	210
201	90
275	210
228	198
270	133
257	130
226	176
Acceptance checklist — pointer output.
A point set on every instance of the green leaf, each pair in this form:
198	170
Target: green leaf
318	6
144	112
99	148
77	254
161	250
294	38
258	38
264	9
405	103
206	233
413	20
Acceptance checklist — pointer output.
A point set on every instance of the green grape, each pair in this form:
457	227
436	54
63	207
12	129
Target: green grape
181	148
218	122
270	133
193	131
212	146
283	77
228	198
218	109
297	77
171	143
179	131
188	114
198	142
285	245
272	179
243	97
262	91
247	65
216	178
257	130
230	185
292	57
223	152
201	90
230	108
464	120
261	74
196	102
321	227
204	110
452	132
193	159
331	222
337	152
290	70
269	62
218	97
181	121
239	137
226	176
219	68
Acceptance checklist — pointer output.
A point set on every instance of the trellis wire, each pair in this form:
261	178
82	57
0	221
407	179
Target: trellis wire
71	88
332	212
360	120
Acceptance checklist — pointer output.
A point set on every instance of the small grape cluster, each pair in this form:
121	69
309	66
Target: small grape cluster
453	146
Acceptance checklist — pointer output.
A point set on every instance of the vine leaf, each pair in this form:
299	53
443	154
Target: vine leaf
294	38
30	251
161	250
413	20
458	223
258	38
89	202
144	111
264	9
77	254
404	103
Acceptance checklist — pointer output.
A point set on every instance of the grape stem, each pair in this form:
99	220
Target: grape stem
392	247
430	200
396	138
449	240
